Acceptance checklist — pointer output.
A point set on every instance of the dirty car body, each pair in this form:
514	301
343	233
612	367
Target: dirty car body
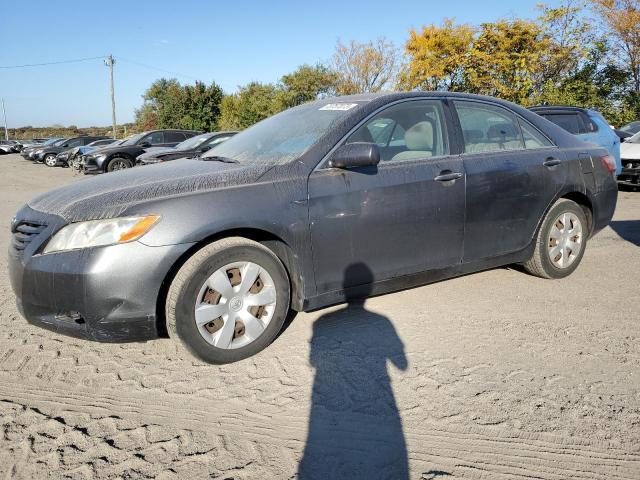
462	200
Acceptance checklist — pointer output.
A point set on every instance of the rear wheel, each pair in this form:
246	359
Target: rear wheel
119	163
561	241
228	301
50	160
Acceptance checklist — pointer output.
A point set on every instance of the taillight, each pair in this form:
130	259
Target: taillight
609	163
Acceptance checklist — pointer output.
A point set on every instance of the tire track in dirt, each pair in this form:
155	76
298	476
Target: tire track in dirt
497	452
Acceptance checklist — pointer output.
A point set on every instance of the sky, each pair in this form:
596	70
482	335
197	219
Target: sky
231	43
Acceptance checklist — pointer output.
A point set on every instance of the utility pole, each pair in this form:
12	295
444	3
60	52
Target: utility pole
109	63
6	132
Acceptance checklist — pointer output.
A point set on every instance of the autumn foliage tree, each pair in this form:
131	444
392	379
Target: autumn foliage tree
365	67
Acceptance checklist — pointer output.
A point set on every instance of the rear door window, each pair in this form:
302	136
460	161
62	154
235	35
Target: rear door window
571	122
75	143
154	138
532	137
488	128
174	137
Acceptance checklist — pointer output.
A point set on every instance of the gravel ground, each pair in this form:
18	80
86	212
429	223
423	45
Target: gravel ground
496	375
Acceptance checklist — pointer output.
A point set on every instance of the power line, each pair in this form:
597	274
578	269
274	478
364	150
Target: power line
53	63
156	68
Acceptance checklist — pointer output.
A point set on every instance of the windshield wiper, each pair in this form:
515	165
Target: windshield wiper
216	158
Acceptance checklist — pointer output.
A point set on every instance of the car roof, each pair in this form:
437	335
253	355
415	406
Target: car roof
558	109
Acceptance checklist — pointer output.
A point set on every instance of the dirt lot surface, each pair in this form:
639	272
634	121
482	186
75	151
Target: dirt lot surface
496	375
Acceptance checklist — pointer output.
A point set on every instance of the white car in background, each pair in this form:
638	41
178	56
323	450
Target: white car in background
630	159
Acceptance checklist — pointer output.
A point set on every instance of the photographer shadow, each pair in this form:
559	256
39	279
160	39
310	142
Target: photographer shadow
355	430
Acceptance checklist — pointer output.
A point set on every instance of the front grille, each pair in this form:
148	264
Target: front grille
630	163
24	232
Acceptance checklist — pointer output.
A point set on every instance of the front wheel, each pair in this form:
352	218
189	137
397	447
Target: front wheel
119	163
228	301
561	241
50	160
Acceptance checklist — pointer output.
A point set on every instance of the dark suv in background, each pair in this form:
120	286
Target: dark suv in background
49	153
189	148
124	155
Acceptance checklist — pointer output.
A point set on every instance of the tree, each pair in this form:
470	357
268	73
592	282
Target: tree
168	104
437	57
365	67
622	19
571	38
253	102
507	60
307	83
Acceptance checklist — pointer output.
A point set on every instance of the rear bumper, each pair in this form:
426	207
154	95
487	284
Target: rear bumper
604	206
105	294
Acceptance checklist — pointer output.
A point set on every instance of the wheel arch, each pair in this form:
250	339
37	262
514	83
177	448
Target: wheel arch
113	156
585	203
273	242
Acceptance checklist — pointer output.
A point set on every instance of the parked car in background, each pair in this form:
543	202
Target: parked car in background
124	155
8	146
68	156
324	202
189	148
24	143
588	125
29	153
632	127
630	153
622	135
48	154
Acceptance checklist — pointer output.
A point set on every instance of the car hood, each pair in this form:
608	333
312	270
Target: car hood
630	150
112	194
154	151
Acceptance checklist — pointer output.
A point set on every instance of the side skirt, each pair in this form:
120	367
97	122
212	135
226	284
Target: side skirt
414	280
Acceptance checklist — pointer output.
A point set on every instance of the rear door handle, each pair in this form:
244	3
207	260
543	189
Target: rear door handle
447	177
551	162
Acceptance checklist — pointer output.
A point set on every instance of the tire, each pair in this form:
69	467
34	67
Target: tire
49	160
119	163
185	294
550	259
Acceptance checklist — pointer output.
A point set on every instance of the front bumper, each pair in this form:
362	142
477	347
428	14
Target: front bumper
630	174
105	294
62	160
89	166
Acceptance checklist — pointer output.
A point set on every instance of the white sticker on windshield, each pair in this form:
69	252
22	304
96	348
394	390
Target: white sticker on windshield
338	106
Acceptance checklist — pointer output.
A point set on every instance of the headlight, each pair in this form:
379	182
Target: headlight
96	233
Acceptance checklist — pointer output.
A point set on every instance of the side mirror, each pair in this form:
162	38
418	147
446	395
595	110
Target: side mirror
144	144
206	148
353	155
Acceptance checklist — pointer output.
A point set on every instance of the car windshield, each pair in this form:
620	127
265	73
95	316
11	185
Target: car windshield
193	142
51	141
633	139
283	137
133	139
57	143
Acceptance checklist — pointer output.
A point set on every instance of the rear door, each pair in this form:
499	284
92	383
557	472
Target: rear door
399	218
513	173
171	139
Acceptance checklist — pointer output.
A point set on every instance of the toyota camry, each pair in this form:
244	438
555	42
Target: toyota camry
217	250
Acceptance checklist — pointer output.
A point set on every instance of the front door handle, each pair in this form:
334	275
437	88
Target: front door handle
551	162
447	176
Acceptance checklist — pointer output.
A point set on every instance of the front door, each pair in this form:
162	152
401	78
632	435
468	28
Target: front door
402	217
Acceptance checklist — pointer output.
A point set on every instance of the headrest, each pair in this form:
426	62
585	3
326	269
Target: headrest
419	137
502	131
472	135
